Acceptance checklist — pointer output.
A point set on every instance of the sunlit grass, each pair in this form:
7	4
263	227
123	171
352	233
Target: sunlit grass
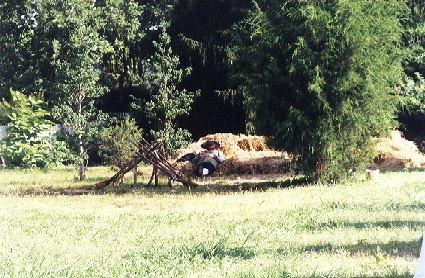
33	179
366	229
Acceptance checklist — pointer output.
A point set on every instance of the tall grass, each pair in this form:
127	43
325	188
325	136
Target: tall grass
363	229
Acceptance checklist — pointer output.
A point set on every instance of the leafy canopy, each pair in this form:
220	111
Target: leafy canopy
318	76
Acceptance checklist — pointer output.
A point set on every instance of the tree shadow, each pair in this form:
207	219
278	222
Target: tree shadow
396	248
218	187
404	170
389	275
56	191
249	185
218	251
229	186
388	224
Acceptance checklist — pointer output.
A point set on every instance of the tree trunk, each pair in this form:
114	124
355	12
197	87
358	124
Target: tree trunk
156	176
412	8
82	168
80	137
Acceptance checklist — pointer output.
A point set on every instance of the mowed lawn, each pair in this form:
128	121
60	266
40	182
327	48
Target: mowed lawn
54	226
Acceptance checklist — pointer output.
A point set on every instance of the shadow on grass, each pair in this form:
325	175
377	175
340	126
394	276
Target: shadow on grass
56	191
389	275
386	224
124	188
404	170
392	248
255	185
217	251
389	224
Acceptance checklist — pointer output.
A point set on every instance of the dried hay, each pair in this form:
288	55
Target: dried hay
252	155
396	152
244	155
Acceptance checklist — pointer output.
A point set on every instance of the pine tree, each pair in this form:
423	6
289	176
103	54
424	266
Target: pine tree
319	77
167	101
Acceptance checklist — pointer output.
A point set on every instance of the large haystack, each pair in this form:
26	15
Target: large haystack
244	154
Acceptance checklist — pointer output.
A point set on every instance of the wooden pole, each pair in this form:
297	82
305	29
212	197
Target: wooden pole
156	175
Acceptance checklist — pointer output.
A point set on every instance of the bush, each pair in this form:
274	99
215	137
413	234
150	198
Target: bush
117	142
30	140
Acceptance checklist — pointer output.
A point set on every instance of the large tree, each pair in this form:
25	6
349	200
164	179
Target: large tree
21	62
319	76
77	55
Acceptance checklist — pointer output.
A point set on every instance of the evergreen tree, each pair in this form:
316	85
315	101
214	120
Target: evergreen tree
167	101
319	77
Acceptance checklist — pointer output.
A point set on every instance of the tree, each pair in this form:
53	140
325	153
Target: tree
414	39
21	65
30	140
167	102
122	28
77	57
319	77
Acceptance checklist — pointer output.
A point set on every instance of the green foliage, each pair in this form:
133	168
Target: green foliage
77	56
70	51
413	91
18	66
414	37
34	31
117	142
414	63
319	77
30	140
167	102
121	27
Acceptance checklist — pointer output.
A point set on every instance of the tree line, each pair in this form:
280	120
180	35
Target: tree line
321	78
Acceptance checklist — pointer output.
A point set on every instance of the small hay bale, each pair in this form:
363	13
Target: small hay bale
396	152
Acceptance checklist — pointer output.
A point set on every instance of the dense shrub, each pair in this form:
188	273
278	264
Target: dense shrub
30	140
117	141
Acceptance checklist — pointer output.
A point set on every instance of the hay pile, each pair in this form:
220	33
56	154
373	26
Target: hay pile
252	155
244	155
396	152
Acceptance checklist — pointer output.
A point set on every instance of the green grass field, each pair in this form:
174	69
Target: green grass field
54	226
